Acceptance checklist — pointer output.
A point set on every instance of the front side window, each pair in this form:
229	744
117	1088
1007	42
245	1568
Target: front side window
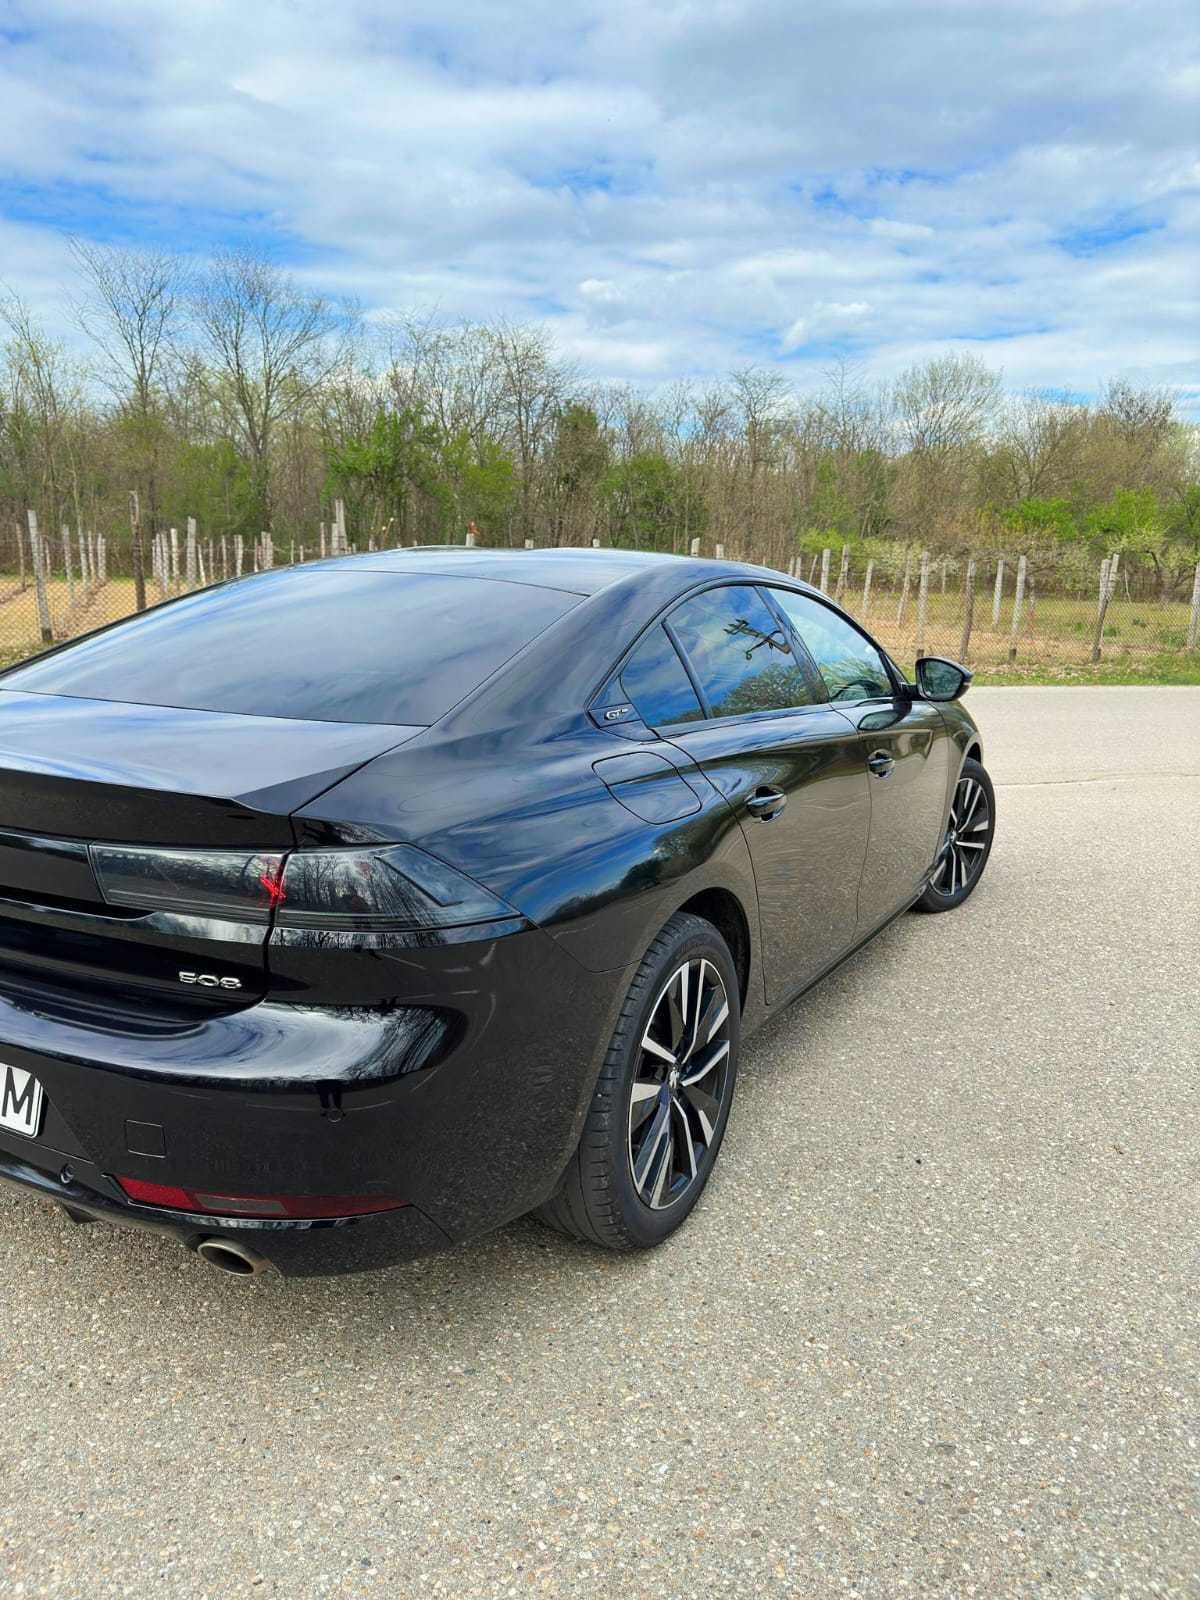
742	658
654	682
850	666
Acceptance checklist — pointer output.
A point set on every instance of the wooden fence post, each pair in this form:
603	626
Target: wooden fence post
163	560
174	573
268	553
923	603
200	566
998	596
1194	623
1107	580
66	538
1018	601
694	547
239	554
39	579
720	552
844	573
102	556
136	555
529	544
224	557
190	554
825	554
866	605
964	643
904	587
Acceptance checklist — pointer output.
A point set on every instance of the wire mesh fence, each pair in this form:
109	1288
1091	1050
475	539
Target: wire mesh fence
997	611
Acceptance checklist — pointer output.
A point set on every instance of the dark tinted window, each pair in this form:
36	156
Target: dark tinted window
334	646
655	682
739	652
849	664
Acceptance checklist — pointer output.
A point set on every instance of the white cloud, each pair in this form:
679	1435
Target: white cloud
673	189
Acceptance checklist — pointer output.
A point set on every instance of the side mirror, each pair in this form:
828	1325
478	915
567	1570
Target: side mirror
939	679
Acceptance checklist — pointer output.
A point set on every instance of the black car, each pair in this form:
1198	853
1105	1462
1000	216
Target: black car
350	910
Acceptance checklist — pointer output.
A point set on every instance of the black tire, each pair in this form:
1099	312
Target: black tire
599	1198
967	842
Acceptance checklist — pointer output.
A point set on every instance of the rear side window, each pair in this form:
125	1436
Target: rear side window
655	683
849	664
317	645
741	656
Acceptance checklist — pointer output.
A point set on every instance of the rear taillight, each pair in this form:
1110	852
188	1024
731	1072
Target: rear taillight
393	889
205	883
169	1197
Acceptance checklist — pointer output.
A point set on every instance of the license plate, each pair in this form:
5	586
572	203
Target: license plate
21	1101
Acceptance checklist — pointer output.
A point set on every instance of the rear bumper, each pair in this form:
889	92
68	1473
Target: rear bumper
464	1099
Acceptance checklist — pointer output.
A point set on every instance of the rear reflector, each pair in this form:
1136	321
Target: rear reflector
299	1206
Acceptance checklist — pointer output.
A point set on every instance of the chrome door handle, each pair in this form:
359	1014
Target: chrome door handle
881	763
766	803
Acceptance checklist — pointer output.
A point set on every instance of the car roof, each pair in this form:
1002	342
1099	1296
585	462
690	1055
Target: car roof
576	571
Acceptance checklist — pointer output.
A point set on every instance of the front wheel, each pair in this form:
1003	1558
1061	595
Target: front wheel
660	1106
967	842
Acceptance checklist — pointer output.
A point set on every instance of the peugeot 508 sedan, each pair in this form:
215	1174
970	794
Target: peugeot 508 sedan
350	910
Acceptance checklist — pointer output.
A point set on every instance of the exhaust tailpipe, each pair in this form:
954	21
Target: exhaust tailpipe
227	1255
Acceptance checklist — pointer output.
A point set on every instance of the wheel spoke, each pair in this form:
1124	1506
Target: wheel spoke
715	1013
656	1049
973	796
707	1063
645	1098
684	1137
706	1107
971	844
657	1139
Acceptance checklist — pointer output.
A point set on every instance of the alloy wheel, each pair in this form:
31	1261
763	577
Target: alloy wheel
679	1084
966	838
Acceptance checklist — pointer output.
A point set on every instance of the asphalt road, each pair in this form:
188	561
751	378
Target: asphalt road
934	1329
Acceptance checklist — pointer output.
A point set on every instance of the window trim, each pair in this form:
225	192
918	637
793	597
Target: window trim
612	677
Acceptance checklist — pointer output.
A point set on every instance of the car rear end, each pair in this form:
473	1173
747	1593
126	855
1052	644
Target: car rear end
278	1055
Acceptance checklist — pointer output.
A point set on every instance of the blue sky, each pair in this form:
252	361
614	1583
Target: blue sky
674	188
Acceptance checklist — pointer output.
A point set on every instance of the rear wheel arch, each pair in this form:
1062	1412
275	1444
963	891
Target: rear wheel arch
723	909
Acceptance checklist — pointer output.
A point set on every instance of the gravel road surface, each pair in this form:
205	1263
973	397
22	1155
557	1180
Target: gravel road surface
934	1329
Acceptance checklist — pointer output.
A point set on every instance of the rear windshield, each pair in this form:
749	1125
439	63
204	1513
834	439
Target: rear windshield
331	646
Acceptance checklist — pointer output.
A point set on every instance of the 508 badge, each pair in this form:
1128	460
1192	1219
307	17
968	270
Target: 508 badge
210	980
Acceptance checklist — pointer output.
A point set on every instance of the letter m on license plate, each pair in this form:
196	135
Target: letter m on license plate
20	1101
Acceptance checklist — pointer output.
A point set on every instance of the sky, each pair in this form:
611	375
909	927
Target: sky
675	188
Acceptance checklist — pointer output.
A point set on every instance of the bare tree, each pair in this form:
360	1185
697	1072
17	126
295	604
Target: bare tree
271	345
129	312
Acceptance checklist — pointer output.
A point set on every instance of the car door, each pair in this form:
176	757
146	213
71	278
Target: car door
790	767
906	747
